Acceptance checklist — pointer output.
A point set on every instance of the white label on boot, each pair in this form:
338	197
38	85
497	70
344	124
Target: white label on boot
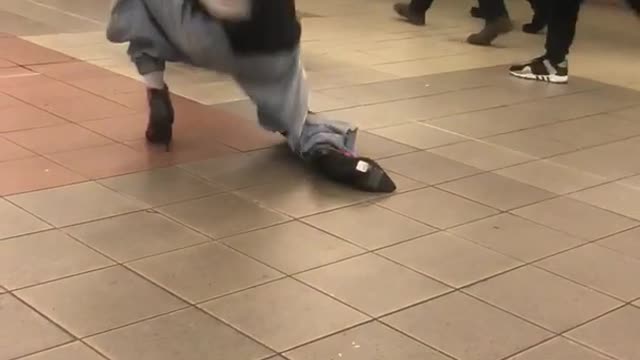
362	166
228	9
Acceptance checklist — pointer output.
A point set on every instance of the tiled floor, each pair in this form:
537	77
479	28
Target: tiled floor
515	233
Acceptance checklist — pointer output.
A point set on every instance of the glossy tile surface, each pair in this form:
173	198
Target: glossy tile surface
513	234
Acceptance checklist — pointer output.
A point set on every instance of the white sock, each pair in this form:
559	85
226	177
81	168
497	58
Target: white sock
154	80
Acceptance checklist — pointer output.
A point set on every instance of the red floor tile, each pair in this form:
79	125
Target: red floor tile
42	91
70	71
23	52
11	151
239	133
88	107
109	86
32	174
133	100
183	149
228	129
58	138
6	64
106	161
23	117
6	101
9	75
122	129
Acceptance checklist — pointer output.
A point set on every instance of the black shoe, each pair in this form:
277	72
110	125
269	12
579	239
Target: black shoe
411	16
533	28
361	173
542	69
491	31
476	13
159	130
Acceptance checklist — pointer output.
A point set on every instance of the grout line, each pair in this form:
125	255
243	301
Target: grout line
71	14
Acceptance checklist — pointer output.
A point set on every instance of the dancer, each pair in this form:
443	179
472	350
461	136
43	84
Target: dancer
256	42
553	66
494	12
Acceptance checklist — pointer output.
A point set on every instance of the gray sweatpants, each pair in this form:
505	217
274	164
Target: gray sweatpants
173	30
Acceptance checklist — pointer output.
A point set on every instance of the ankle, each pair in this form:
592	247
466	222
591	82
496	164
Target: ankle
155	80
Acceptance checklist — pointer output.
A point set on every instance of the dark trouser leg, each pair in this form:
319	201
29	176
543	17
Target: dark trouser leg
562	29
493	9
420	6
541	12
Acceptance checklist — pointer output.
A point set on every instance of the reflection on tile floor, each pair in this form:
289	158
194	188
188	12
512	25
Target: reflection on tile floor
515	233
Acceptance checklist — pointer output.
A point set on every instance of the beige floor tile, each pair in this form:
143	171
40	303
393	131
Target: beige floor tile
222	215
599	268
428	168
82	203
418	135
494	121
24	331
404	184
300	198
160	187
611	161
481	155
467	329
629	113
129	237
608	123
625	243
366	342
41	257
99	301
576	218
452	260
548	300
284	314
516	237
191	273
243	170
559	349
17	221
75	351
621	199
631	181
373	285
377	147
614	334
369	226
531	143
552	177
497	191
580	133
437	208
186	334
293	247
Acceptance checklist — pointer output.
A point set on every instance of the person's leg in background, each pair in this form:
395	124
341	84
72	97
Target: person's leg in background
497	22
476	12
553	65
541	13
414	12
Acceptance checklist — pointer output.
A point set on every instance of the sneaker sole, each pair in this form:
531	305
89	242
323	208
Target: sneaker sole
553	79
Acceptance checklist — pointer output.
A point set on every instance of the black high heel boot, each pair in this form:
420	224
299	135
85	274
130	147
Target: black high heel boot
160	126
361	173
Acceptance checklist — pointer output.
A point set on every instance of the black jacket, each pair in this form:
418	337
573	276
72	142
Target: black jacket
273	27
